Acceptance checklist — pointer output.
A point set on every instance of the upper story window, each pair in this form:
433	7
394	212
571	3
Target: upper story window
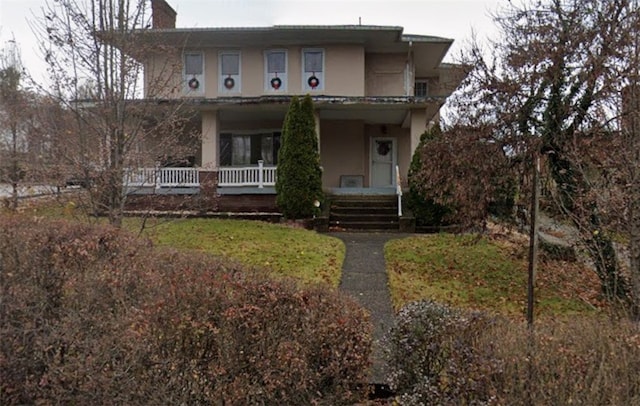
421	88
275	78
194	72
313	69
229	77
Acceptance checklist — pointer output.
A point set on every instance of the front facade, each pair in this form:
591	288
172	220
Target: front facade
375	91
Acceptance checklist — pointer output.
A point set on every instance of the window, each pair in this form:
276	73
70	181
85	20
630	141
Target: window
276	62
275	79
248	149
421	88
193	64
230	64
194	72
229	72
313	69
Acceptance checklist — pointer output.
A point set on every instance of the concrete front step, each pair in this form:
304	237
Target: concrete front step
364	203
365	217
364	225
364	213
390	210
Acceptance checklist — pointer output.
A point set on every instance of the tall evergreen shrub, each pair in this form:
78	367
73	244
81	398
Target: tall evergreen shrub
299	182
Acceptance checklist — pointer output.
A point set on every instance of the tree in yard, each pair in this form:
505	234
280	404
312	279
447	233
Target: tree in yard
95	51
458	176
12	118
299	181
553	87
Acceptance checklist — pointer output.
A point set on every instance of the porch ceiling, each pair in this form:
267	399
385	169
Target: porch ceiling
370	115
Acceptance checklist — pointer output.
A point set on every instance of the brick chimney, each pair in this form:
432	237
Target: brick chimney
162	15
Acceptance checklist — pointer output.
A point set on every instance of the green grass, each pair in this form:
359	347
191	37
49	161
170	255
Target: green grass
466	271
280	250
472	272
283	251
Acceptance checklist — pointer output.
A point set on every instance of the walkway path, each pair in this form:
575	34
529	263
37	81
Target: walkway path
364	277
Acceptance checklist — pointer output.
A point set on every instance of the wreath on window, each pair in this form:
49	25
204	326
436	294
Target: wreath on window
194	84
276	83
229	83
313	81
383	147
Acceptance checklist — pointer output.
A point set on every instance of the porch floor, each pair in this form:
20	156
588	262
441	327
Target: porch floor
151	190
336	191
246	190
362	191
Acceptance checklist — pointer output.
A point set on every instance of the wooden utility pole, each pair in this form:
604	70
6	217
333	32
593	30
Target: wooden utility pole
533	238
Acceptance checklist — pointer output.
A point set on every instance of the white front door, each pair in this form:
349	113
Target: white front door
383	162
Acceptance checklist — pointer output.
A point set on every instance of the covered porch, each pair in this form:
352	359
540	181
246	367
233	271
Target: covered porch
361	142
365	145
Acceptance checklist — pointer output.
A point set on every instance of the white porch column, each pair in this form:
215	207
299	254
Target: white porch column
209	171
418	127
210	146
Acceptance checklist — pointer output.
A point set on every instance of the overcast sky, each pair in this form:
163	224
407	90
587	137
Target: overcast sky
454	19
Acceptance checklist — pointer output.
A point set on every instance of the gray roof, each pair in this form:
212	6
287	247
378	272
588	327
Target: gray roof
375	38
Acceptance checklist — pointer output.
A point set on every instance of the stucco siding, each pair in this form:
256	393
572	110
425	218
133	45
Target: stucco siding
343	150
163	76
211	72
385	74
344	70
252	72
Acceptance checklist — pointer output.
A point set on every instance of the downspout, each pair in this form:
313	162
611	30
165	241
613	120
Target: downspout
409	72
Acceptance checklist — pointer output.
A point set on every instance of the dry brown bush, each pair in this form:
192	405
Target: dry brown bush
440	355
581	361
91	315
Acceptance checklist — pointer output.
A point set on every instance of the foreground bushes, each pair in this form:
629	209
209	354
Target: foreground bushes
432	358
443	356
93	316
581	362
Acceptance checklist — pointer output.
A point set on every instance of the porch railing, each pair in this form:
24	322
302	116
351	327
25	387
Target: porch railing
162	177
257	176
260	176
399	190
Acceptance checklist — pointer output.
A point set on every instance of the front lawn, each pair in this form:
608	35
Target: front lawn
282	250
484	273
278	249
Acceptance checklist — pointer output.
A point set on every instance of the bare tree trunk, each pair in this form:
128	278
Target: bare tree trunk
633	143
14	172
634	244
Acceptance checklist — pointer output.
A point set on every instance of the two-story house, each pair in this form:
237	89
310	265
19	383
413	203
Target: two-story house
375	91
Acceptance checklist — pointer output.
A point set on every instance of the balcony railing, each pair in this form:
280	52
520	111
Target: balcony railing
259	176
